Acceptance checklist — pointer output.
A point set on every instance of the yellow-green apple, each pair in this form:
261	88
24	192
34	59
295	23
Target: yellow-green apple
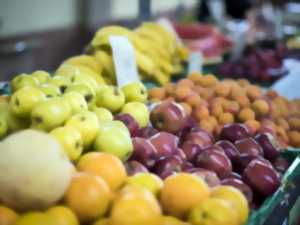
50	90
103	114
61	82
76	102
70	139
41	76
111	98
24	100
148	181
87	124
50	114
16	123
3	125
83	78
23	80
135	92
138	111
84	89
112	139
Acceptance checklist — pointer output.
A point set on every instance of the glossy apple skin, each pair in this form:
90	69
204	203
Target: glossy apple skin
169	117
233	132
144	152
129	122
134	167
237	183
242	161
233	175
165	167
269	145
214	160
208	176
261	177
281	165
165	143
200	137
229	149
180	153
191	150
248	146
147	132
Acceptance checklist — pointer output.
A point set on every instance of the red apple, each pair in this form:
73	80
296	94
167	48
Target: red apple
237	183
134	167
180	153
281	165
269	145
233	132
186	166
229	149
165	167
130	123
215	161
233	175
208	176
191	150
261	177
146	132
144	152
248	146
242	161
165	143
169	116
200	137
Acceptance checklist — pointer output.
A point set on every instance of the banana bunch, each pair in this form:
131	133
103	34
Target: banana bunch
158	55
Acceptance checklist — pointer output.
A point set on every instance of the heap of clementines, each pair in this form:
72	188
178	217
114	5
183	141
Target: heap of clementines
214	103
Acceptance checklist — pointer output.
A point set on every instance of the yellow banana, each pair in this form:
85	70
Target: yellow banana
85	60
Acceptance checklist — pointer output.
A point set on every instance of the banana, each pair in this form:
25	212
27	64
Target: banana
107	64
85	60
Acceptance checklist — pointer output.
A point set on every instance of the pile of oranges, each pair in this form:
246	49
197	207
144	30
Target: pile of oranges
101	193
214	103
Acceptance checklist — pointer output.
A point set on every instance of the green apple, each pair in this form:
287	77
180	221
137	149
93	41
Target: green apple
16	123
84	89
61	82
3	125
138	111
22	81
50	90
41	76
70	139
83	78
24	100
112	139
87	124
111	98
135	92
50	114
76	102
148	181
102	113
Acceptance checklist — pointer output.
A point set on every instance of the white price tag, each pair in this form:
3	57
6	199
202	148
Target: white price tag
124	60
195	62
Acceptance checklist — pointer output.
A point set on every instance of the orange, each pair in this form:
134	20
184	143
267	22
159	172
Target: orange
102	221
62	215
169	220
88	196
181	192
35	218
105	165
235	198
7	216
213	211
135	206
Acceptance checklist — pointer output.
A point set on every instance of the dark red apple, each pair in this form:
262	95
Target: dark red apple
134	167
229	149
281	165
261	177
215	161
165	167
233	132
169	116
237	183
165	143
208	176
180	153
144	152
248	146
242	161
269	145
191	150
186	166
130	123
200	137
146	132
233	175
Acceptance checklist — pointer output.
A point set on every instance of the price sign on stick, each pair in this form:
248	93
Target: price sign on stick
195	62
124	60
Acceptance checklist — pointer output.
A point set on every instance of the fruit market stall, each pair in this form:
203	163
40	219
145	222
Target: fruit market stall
91	144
